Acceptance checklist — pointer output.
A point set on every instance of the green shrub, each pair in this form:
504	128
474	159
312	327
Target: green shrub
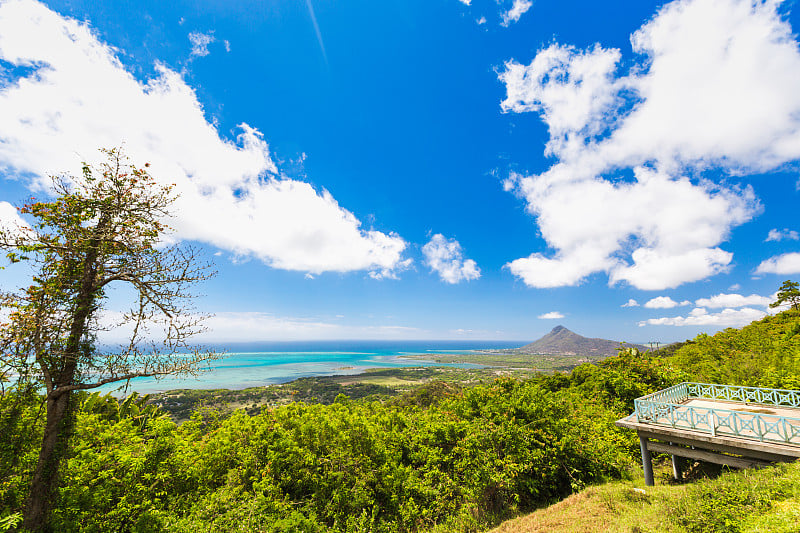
724	504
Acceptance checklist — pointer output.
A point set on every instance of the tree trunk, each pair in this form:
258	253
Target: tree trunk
60	421
57	431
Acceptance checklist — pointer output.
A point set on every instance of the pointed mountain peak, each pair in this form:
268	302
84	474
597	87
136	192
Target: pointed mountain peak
561	341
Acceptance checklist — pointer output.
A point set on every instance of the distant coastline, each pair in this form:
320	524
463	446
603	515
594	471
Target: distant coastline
269	363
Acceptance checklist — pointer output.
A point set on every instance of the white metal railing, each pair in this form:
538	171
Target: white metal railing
666	407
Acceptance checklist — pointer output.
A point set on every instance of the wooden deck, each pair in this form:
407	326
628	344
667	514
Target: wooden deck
748	420
735	433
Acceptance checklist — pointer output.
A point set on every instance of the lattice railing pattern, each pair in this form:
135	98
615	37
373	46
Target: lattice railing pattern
665	408
789	398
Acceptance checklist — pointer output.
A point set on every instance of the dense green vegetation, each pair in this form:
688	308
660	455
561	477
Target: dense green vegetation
181	403
441	456
512	359
765	353
462	462
374	384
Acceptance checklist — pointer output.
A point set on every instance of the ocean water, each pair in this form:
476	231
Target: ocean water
259	364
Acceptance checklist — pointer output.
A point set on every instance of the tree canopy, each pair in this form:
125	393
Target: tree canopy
789	293
104	227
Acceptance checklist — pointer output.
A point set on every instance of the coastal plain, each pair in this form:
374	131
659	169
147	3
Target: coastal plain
375	383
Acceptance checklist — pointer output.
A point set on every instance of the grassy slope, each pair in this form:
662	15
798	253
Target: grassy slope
747	502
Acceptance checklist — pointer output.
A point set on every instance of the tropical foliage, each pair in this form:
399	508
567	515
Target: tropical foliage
438	458
765	353
463	461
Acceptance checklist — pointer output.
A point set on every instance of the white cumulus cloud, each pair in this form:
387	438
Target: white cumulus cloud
630	303
714	87
444	256
664	302
780	264
79	97
518	8
778	235
733	300
701	317
200	42
552	315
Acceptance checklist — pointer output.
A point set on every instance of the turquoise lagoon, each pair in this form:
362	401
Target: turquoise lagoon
259	364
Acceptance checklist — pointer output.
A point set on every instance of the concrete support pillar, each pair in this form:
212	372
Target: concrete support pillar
676	467
647	462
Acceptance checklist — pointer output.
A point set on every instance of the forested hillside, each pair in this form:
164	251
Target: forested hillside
765	353
419	462
439	458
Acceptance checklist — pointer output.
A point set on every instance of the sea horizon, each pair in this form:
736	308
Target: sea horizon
254	364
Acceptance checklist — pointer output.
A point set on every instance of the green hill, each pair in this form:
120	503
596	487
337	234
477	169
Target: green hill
765	353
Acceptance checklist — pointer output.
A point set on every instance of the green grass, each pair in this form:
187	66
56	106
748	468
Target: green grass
510	359
749	501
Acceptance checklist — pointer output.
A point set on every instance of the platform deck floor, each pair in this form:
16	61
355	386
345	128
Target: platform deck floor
770	415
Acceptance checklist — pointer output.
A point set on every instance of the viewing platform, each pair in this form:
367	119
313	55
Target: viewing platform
742	427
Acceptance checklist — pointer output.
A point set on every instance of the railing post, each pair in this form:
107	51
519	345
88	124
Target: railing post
647	462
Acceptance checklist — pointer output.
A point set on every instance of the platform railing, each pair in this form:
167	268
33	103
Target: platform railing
785	397
666	407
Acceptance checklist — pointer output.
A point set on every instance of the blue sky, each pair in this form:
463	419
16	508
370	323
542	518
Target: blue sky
438	169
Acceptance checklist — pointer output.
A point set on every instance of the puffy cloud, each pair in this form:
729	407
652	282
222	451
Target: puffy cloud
518	8
444	256
200	42
778	235
9	218
664	302
539	271
79	97
465	2
570	89
672	224
780	264
653	269
714	89
630	303
700	317
733	300
552	315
